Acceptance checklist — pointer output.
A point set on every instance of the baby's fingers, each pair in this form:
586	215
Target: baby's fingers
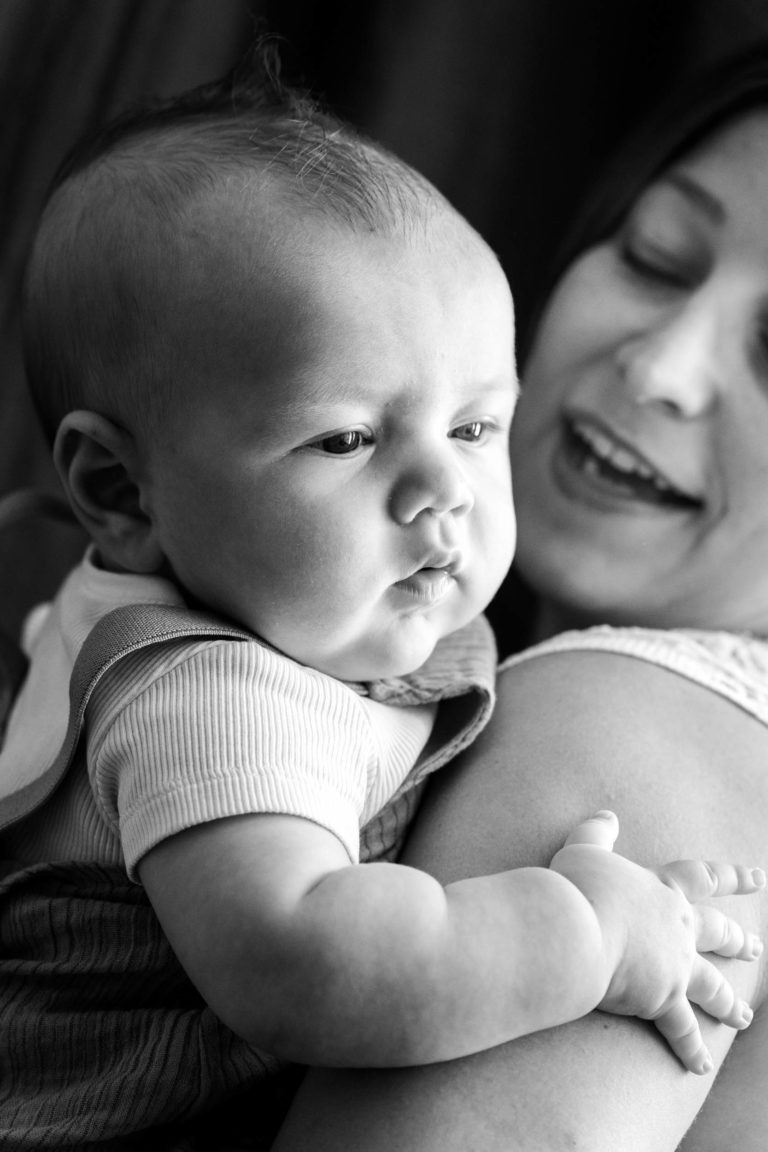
600	830
678	1025
699	879
709	989
716	932
680	1028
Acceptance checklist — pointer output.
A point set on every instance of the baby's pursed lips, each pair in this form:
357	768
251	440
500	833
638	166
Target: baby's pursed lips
432	581
448	561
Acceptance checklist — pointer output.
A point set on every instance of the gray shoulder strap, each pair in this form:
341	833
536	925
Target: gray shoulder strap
116	635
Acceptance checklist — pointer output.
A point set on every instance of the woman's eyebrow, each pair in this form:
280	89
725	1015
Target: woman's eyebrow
701	198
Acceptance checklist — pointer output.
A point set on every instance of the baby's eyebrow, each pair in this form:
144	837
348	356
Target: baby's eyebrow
302	411
318	398
319	391
493	388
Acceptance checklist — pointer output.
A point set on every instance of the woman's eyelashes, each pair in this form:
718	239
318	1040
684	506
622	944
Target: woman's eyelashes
661	265
760	344
660	244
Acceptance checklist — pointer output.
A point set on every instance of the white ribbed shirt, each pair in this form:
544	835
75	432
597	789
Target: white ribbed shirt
189	731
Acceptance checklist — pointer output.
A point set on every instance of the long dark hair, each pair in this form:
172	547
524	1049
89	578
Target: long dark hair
700	105
690	112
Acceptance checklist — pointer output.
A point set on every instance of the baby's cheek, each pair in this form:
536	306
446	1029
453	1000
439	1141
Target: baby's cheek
495	549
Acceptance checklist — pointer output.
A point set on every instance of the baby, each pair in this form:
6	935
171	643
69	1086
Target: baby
277	370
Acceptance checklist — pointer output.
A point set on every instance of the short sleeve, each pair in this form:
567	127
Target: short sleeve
197	732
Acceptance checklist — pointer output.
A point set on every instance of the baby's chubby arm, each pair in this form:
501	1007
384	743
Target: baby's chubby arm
378	965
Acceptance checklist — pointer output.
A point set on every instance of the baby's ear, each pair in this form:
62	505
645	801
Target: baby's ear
98	465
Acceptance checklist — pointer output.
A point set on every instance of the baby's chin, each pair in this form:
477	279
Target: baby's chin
366	671
381	661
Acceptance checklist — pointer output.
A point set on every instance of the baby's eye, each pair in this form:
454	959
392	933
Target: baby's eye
343	443
472	433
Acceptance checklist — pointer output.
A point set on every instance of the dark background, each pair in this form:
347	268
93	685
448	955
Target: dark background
508	106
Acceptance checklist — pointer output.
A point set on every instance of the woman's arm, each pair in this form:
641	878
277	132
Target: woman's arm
686	771
735	1114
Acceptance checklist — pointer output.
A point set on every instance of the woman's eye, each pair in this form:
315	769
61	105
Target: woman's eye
342	443
761	341
472	433
666	240
656	266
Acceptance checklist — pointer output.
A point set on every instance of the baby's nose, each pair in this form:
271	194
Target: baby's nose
434	483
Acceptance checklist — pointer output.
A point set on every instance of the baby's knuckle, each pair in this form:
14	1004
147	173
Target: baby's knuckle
689	1030
670	1005
720	986
680	990
713	879
725	935
688	918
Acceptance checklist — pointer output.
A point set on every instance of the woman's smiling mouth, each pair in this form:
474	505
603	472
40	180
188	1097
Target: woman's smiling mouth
616	468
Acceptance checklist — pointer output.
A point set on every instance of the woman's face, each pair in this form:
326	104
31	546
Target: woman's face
640	447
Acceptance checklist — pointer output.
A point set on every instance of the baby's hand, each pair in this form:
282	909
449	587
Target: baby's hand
654	927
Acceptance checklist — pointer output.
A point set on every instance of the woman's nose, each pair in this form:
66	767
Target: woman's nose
674	363
435	483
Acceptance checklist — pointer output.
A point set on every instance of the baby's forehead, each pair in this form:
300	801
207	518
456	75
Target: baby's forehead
244	271
250	220
252	223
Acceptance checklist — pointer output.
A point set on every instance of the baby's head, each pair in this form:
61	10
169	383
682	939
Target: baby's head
276	366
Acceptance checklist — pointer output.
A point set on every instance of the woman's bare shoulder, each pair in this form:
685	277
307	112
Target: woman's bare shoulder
684	767
725	665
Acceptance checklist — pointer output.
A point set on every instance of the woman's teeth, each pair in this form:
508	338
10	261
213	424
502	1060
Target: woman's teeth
601	455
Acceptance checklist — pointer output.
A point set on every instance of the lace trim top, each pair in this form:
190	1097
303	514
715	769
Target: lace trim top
733	665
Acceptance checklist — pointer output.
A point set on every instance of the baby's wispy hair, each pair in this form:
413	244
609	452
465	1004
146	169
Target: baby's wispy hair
109	241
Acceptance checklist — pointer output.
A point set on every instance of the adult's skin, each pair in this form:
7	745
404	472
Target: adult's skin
655	336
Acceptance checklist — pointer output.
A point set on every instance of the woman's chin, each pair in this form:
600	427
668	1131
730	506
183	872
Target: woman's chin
580	588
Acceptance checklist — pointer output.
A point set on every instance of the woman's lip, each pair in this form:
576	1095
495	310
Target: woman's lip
594	464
